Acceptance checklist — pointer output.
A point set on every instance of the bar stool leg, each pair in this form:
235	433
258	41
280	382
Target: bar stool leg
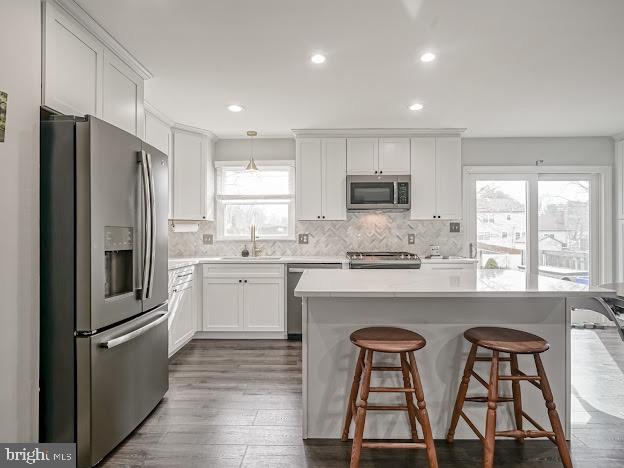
490	422
517	393
361	412
409	399
461	393
357	375
555	422
423	417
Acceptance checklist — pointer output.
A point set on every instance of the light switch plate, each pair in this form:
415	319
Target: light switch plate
411	239
303	238
455	227
207	239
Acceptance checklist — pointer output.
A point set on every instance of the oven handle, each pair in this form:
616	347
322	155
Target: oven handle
135	333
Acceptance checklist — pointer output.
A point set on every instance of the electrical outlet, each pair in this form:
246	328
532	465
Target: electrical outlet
207	239
411	239
455	227
303	238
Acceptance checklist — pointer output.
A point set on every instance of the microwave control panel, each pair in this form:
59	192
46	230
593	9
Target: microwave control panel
403	195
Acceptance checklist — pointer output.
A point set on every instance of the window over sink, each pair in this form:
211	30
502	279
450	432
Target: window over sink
265	198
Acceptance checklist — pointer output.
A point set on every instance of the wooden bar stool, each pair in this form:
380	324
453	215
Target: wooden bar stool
512	342
396	341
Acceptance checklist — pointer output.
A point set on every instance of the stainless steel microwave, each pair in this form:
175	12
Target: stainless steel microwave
378	192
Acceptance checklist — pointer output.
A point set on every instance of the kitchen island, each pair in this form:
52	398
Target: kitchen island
440	305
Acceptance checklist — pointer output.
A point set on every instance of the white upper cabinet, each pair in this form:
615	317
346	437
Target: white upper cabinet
157	133
309	172
321	179
122	96
394	156
362	156
448	177
81	75
73	61
619	179
334	184
193	191
423	181
388	156
436	178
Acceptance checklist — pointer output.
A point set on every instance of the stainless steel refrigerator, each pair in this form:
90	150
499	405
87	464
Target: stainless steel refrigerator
104	198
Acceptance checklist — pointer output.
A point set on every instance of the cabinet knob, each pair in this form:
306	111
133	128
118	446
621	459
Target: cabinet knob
240	281
323	217
381	172
375	172
245	281
318	217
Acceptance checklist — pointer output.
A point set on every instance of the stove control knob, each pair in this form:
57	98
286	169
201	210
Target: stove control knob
402	256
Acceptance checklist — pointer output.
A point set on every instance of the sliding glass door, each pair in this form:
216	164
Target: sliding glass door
543	223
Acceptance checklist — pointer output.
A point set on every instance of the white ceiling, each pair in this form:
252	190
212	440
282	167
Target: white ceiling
504	68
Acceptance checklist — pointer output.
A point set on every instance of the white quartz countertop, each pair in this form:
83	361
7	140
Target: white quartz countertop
457	283
180	262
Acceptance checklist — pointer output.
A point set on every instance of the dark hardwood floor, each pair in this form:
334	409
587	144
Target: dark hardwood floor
237	404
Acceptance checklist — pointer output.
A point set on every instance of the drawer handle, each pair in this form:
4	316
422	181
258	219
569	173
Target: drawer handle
185	274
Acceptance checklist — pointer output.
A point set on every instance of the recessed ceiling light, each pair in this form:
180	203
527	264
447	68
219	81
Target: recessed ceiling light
318	59
428	57
234	108
416	106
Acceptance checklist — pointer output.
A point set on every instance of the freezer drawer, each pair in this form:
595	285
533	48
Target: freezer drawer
122	374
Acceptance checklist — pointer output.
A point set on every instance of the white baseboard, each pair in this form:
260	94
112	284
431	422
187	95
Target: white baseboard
239	335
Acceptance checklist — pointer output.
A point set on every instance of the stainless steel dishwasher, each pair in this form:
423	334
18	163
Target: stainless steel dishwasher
293	311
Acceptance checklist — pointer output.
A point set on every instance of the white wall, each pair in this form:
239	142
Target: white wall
20	77
264	149
592	151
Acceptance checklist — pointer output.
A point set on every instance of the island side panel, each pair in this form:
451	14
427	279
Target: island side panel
329	359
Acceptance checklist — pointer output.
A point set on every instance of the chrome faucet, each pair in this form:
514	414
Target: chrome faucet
255	250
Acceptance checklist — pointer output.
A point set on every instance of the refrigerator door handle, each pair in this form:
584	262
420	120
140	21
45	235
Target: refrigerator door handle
152	250
147	232
135	333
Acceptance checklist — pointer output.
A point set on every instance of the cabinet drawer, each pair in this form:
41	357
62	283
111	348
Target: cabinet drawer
245	270
447	266
179	276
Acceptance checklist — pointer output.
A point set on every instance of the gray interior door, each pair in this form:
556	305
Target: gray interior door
159	174
108	195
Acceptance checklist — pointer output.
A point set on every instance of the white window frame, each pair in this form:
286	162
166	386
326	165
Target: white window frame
290	198
601	208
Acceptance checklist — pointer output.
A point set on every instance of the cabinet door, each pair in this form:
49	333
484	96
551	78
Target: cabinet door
264	304
619	258
188	176
619	179
448	178
222	304
122	96
362	156
394	156
334	184
309	179
157	133
182	322
73	66
423	170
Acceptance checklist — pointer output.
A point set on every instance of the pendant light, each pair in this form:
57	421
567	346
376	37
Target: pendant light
251	166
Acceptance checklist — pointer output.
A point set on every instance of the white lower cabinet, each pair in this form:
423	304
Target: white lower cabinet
243	298
182	309
447	266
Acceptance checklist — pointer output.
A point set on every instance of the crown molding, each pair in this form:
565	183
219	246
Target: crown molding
374	132
85	20
150	109
190	129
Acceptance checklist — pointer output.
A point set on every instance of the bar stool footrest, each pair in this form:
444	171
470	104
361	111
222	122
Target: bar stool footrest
394	445
484	399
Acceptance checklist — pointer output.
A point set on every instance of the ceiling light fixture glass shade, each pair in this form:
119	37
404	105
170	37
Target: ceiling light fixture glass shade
318	59
251	165
235	108
416	106
427	57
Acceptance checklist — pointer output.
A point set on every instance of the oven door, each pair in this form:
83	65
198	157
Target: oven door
371	193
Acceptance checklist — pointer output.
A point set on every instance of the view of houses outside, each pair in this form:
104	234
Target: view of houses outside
563	227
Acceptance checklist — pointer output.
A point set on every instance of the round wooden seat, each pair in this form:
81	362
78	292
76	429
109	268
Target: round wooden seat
506	340
387	339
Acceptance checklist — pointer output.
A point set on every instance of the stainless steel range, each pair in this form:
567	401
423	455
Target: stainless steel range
383	260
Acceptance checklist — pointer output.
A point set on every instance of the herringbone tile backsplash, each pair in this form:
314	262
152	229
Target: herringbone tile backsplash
361	231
